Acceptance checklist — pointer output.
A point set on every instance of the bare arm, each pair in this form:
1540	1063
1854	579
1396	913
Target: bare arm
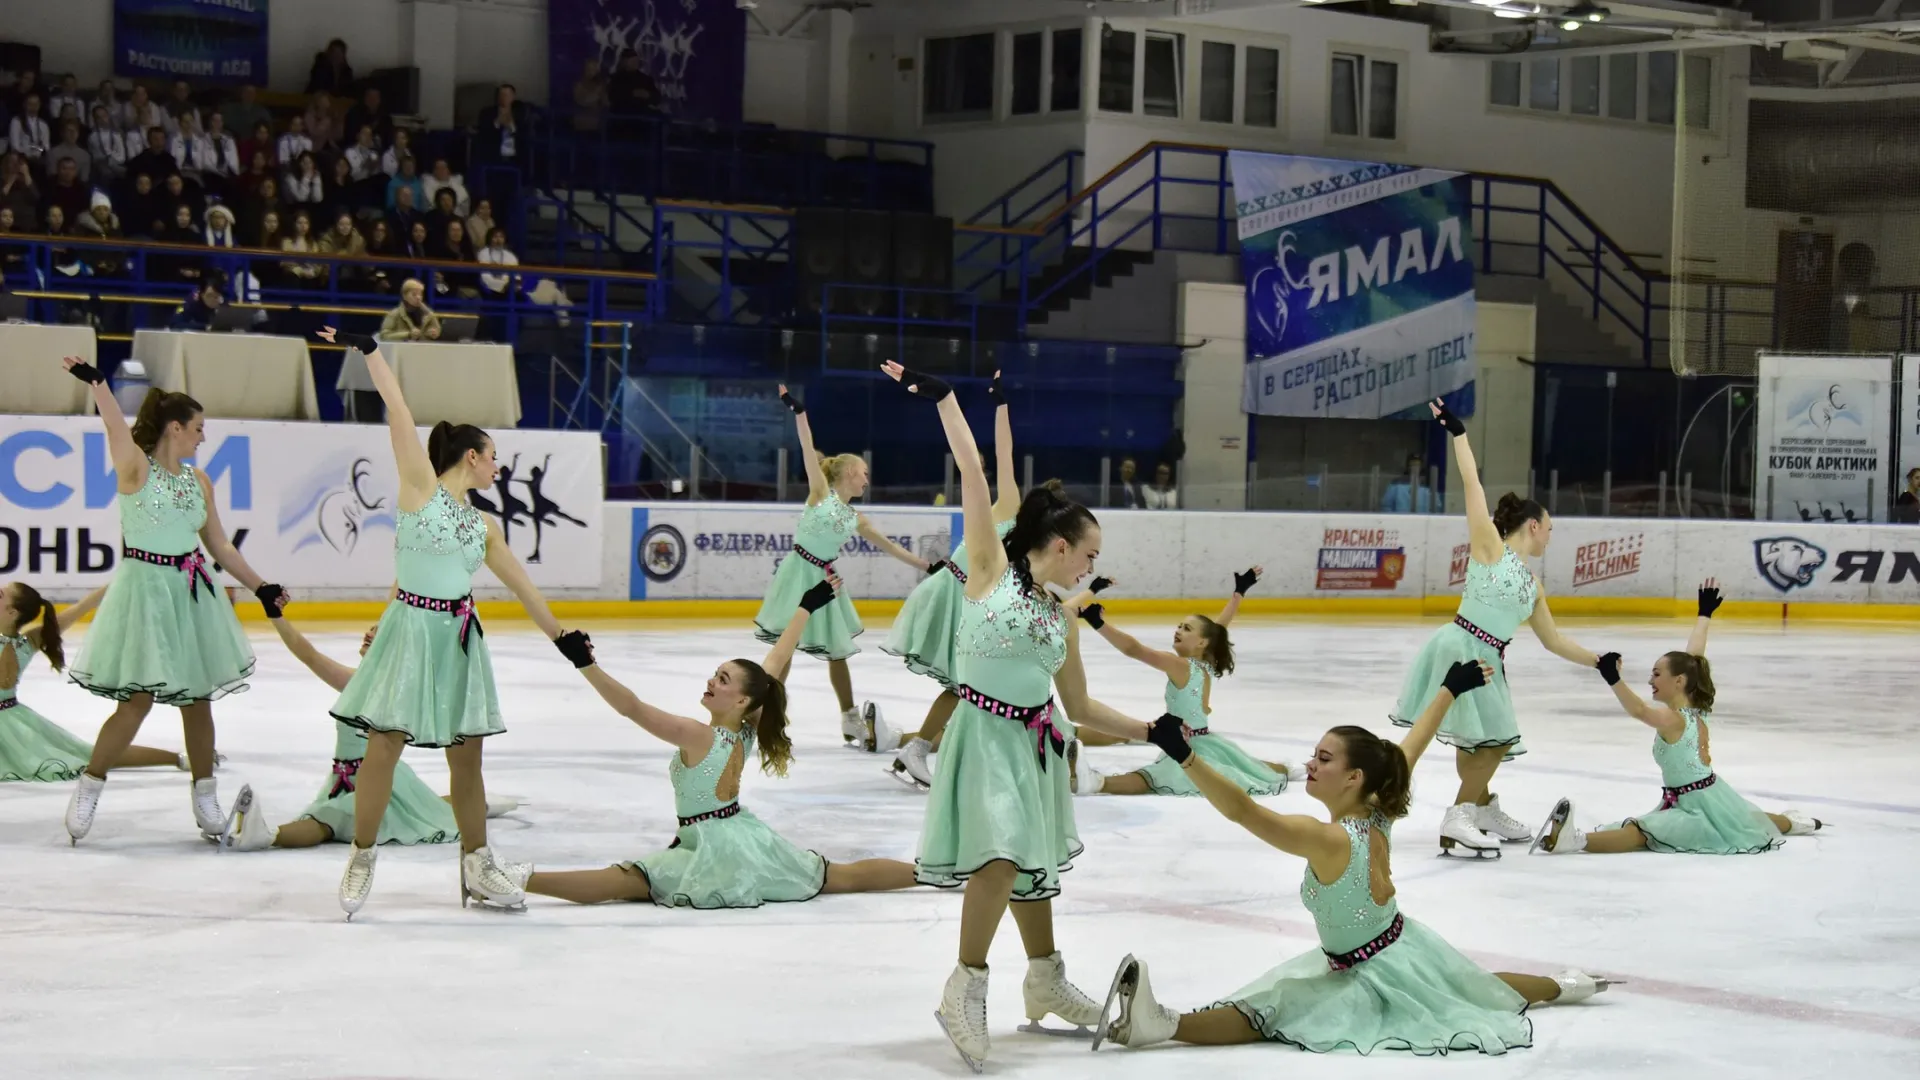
1072	683
1173	667
1555	642
1697	641
9	667
330	671
1654	714
986	557
506	567
129	461
417	478
1486	539
214	535
1007	506
809	457
1709	603
692	737
885	543
1232	606
1415	742
75	612
780	658
1295	834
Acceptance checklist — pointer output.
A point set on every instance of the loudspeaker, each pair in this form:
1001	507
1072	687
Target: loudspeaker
869	262
819	253
923	259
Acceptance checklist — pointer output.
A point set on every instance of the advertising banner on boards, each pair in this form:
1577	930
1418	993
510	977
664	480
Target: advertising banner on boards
1821	439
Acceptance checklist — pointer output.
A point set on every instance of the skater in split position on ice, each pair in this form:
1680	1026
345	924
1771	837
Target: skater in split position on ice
1699	814
825	526
427	680
31	746
1000	813
723	856
1501	593
1202	652
415	815
165	633
1380	980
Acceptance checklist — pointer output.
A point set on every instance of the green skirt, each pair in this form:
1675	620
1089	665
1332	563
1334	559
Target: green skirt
830	631
415	815
1166	777
992	801
923	633
34	748
151	636
418	681
1481	719
734	862
1715	820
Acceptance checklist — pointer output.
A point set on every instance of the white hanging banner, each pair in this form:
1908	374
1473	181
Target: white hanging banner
1821	438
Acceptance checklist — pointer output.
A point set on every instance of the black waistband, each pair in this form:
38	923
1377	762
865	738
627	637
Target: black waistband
463	607
824	564
193	563
1345	960
1670	796
1499	646
726	811
1035	718
9	703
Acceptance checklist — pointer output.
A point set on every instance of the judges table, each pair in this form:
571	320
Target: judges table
31	377
237	376
463	383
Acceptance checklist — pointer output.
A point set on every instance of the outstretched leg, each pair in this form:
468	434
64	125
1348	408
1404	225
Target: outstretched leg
869	875
1094	737
147	757
117	734
1133	783
1222	1025
1627	837
591	886
301	834
1535	988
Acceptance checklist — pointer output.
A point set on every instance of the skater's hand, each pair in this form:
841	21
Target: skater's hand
1243	582
1609	666
1170	735
936	566
1466	675
790	401
1100	585
272	598
1709	599
1447	420
820	595
576	646
917	383
83	371
996	391
1095	615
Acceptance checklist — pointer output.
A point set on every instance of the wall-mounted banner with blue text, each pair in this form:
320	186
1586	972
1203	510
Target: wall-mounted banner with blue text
197	40
1359	290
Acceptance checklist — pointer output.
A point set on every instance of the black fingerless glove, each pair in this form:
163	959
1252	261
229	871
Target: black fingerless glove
576	646
924	386
1451	422
792	403
817	597
1100	585
363	342
1464	676
936	566
1609	666
1244	582
271	598
1169	734
88	374
996	391
1094	615
1709	601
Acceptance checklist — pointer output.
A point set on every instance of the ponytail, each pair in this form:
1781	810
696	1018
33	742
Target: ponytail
30	604
1217	648
1386	778
1699	676
1045	513
447	446
833	466
158	409
767	713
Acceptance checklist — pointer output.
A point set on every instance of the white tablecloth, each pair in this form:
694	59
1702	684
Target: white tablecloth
235	376
465	383
31	378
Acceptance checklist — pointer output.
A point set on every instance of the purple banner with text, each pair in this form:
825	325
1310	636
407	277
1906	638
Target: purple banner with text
688	57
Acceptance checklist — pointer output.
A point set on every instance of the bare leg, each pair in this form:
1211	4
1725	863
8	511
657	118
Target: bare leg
1535	988
467	794
1222	1025
373	785
1092	737
591	886
869	875
987	893
147	757
1476	768
303	833
842	680
1035	920
1133	783
1780	822
196	722
1627	837
117	734
938	714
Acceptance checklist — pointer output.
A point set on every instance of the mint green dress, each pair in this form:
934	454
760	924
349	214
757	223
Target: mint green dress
32	747
1713	820
418	678
1166	777
1415	993
1001	787
1497	599
824	528
161	630
922	634
415	815
724	857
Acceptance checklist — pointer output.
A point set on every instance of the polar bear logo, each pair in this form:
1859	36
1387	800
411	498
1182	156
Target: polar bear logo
1788	562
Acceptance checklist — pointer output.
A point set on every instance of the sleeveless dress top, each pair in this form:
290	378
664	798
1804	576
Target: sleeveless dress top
1011	643
1700	813
825	527
32	747
1189	702
165	516
822	531
438	547
1498	597
1165	775
924	631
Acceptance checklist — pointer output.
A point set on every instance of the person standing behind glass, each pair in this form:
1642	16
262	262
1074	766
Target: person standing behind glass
1409	494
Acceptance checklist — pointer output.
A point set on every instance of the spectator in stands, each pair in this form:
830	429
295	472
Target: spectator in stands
66	190
28	83
302	240
342	192
219	155
175	191
416	246
454	246
140	209
330	71
343	238
197	312
304	185
363	157
53	222
219	232
261	142
323	123
101	224
1408	493
184	231
68	96
254	209
69	149
631	91
28	134
401	146
590	96
443	213
481	221
156	160
412	320
381	244
1906	508
443	178
108	94
268	234
1127	492
188	147
181	104
245	113
1161	494
369	112
106	146
294	143
19	193
497	135
406	185
13	257
140	115
497	286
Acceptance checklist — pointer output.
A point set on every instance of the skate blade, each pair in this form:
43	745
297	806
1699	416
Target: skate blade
976	1066
1113	996
1471	854
900	773
484	904
1078	1031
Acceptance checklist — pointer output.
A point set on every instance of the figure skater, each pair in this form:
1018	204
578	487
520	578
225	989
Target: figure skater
1000	813
722	856
1699	813
415	815
165	633
1379	980
32	747
427	680
544	510
1500	594
824	528
1202	652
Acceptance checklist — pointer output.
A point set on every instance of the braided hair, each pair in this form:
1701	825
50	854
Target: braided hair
1045	513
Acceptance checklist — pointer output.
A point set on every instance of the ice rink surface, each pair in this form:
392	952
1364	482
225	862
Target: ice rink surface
145	953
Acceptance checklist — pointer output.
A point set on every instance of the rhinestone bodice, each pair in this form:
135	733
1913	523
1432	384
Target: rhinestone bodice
1344	912
694	785
826	526
23	651
1680	762
1498	598
1189	702
439	546
166	514
959	556
1011	643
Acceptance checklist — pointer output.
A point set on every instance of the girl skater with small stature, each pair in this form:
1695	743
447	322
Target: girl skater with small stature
415	815
1000	812
723	856
1201	653
1699	814
427	680
165	633
1380	980
32	747
1500	594
825	526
